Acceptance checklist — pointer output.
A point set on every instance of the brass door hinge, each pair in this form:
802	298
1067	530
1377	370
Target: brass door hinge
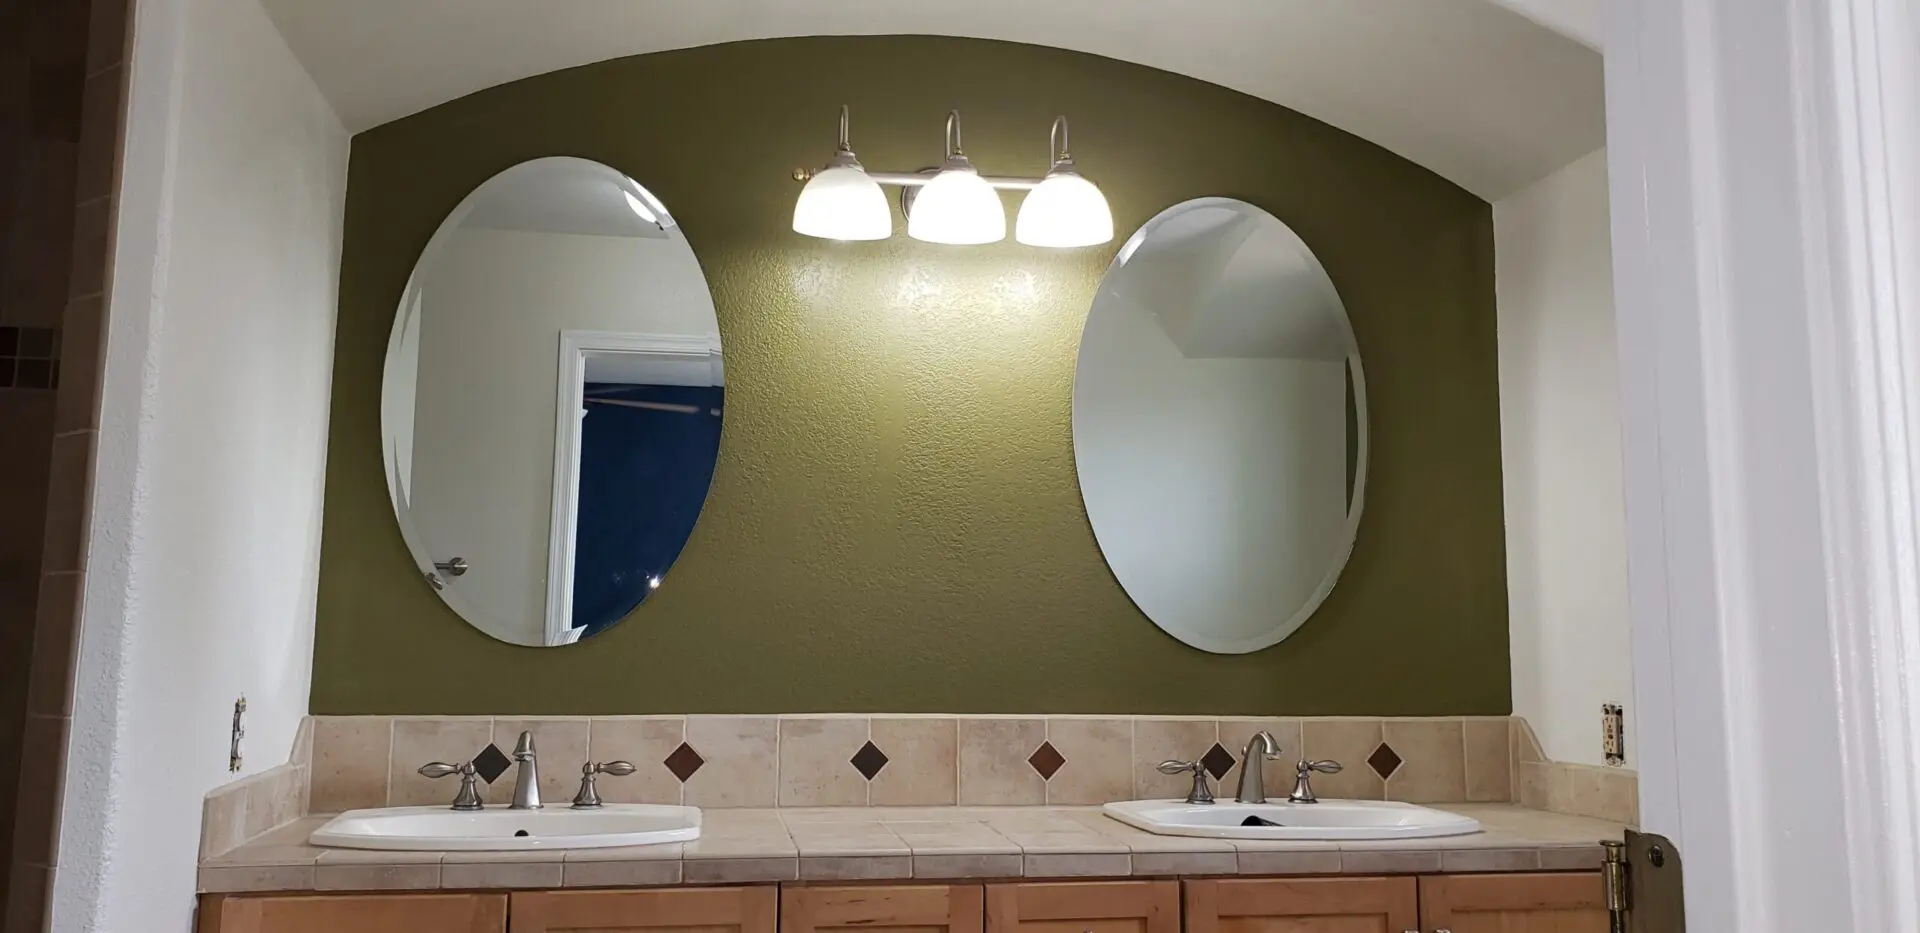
1643	892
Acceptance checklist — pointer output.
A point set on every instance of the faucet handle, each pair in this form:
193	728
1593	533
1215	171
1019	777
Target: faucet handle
588	797
1324	766
469	796
1201	793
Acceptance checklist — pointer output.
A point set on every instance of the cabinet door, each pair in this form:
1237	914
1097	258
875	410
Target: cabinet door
1084	907
361	913
1519	903
922	908
1304	905
692	910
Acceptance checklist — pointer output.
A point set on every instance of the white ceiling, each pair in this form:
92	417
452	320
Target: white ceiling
562	195
1479	93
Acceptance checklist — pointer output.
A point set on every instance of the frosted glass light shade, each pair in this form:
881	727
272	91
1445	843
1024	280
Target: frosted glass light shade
958	207
843	203
1065	210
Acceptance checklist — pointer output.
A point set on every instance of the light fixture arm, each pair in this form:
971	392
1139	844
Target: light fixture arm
1058	146
954	149
845	145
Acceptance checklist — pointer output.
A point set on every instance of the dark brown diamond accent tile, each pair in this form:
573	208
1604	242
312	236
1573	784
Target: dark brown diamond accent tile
1218	761
1384	761
1047	760
684	761
869	760
491	763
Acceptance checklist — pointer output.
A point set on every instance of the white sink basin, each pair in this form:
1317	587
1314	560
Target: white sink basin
1328	819
503	830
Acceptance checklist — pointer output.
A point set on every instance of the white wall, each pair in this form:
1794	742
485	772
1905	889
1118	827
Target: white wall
493	305
1560	459
206	524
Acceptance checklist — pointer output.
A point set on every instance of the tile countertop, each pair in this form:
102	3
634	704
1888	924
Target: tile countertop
873	844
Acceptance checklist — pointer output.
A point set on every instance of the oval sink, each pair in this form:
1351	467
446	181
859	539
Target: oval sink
504	830
1328	819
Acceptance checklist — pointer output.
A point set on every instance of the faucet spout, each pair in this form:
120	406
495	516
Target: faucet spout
526	784
1261	748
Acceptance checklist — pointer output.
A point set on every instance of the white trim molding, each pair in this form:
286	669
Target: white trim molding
1765	196
576	348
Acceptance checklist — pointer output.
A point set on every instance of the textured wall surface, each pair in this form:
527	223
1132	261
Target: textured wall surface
895	523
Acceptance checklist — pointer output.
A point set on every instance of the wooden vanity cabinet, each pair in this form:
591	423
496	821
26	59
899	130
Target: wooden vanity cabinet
686	910
920	908
1303	905
1519	903
1084	907
360	913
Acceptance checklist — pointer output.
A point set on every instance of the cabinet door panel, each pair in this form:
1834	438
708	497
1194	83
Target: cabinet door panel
360	913
692	910
924	908
1084	907
1517	903
1303	905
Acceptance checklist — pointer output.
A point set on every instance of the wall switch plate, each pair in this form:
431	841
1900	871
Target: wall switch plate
239	731
1613	733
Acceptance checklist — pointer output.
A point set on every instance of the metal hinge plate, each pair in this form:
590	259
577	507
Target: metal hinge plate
1643	880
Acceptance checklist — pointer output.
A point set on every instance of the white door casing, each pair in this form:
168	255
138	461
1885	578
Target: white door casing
1765	175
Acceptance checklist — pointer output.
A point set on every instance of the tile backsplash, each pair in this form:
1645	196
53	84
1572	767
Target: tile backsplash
909	760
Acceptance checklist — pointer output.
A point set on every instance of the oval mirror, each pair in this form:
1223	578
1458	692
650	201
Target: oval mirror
552	402
1220	425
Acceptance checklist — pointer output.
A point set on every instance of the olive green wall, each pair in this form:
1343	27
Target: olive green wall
895	523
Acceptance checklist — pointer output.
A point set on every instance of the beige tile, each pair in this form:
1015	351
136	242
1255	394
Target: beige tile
855	868
561	745
1389	862
1433	760
645	742
237	879
1080	841
350	766
1349	742
303	743
1158	740
461	870
1618	797
741	871
828	839
740	846
106	34
628	874
63	546
1083	865
1185	863
953	838
1290	861
453	740
87	272
1099	761
1571	858
1535	784
99	135
666	852
1463	861
1008	865
816	761
354	870
223	815
1526	746
742	761
274	799
922	762
1277	775
993	757
1489	759
55	629
77	406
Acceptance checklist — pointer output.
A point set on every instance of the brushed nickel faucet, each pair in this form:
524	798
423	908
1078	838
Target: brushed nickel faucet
469	796
526	783
1303	782
1201	793
1262	747
588	797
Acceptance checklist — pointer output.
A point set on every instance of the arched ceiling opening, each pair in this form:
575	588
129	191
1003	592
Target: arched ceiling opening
1472	89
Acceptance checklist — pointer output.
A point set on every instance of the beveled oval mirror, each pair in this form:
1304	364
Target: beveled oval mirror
552	402
1220	425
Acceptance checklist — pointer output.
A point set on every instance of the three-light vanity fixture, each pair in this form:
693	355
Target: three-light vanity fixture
953	203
